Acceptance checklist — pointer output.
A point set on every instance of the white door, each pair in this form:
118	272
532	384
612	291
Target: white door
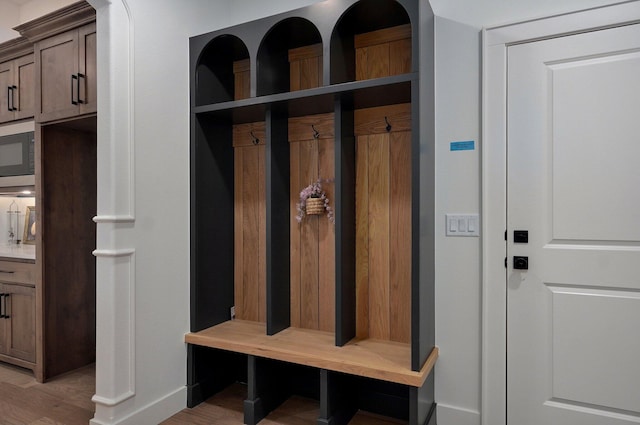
573	318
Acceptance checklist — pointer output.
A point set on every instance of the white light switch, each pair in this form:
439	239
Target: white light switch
462	225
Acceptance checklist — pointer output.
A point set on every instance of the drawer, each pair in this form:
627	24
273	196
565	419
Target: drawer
15	272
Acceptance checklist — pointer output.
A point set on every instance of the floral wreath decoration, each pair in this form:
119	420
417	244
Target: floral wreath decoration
314	201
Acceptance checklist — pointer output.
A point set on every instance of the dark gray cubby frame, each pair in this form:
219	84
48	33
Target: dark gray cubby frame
213	113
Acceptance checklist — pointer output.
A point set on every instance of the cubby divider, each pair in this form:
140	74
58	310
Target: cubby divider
278	238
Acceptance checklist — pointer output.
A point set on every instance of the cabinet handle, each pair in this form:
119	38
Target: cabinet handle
9	98
13	100
78	84
2	306
7	271
73	101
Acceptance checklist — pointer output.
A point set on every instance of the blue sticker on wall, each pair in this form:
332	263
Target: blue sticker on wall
467	145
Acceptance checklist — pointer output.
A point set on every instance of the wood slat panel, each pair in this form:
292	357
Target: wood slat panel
361	64
294	173
305	52
400	237
311	73
385	35
301	128
262	236
383	223
305	67
242	83
250	234
326	248
372	120
238	286
378	61
379	237
295	68
250	222
383	53
309	242
313	240
362	237
242	134
385	360
400	57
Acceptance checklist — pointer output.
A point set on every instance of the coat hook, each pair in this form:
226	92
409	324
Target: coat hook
255	139
388	127
316	134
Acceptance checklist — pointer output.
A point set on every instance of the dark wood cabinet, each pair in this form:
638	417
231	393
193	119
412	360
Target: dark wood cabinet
18	313
338	94
66	72
17	80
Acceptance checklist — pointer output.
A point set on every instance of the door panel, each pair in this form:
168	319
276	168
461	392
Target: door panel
573	178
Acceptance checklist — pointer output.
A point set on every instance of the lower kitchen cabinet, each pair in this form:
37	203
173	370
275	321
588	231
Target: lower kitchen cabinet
17	315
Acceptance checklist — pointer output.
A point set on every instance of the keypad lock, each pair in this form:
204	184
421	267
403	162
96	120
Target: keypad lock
521	263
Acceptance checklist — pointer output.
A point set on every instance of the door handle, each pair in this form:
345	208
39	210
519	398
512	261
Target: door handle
521	263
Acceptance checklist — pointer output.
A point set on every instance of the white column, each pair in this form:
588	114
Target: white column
115	251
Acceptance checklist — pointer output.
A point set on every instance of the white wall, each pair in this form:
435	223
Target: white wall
458	284
487	13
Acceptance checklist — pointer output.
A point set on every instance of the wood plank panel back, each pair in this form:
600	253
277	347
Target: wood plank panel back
249	222
305	67
241	79
383	53
383	223
312	240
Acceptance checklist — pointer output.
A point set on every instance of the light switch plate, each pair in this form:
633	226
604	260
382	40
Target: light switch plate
462	225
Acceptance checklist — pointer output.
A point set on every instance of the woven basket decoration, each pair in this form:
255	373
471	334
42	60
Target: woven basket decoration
315	206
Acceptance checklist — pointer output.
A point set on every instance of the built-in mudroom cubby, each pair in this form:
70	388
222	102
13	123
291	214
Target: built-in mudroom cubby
312	202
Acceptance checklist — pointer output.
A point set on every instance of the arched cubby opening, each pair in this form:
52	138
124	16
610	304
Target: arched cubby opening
370	23
222	71
290	57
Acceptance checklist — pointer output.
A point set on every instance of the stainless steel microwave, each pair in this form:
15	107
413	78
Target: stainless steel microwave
17	154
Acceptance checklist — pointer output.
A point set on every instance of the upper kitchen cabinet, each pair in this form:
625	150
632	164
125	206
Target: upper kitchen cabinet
65	62
17	80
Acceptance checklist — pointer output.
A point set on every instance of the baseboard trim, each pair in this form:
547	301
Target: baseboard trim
150	414
451	415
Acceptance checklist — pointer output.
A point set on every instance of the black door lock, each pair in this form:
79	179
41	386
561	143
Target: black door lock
521	263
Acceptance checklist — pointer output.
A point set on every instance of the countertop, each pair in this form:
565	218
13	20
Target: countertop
23	252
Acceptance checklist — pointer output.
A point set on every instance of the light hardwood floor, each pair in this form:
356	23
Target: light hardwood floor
66	400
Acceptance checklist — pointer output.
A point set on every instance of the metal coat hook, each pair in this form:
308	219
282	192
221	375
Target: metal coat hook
316	134
255	139
388	127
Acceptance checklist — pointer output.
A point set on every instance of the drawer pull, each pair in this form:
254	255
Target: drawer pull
7	271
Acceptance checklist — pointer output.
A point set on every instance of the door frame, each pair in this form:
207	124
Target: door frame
496	40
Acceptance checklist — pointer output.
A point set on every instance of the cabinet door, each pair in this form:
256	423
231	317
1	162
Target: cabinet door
56	61
20	326
4	328
87	69
25	81
6	82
